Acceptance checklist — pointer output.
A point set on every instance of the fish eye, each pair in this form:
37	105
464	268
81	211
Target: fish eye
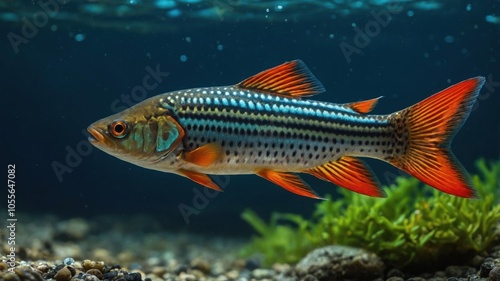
118	129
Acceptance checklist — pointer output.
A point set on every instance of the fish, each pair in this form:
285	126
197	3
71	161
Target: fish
266	125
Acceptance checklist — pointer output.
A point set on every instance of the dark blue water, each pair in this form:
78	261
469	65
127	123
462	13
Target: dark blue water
74	70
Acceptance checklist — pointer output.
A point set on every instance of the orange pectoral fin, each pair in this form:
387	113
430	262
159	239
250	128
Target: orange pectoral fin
350	173
289	182
200	178
204	155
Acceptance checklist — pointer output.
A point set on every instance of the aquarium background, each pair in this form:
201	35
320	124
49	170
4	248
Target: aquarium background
86	56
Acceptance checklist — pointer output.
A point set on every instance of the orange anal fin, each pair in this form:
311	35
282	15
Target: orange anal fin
289	182
350	173
200	178
204	155
363	107
430	126
291	79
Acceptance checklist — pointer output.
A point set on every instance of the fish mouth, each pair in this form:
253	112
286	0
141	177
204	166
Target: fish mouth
95	136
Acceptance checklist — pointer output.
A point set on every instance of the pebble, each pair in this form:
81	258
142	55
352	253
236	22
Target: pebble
3	266
281	267
201	264
395	273
417	278
75	229
232	274
395	278
459	271
486	267
63	274
340	263
97	273
186	277
260	273
158	271
495	274
10	277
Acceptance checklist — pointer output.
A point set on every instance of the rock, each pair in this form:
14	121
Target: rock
459	271
96	272
110	275
133	276
395	273
158	270
3	266
73	229
43	268
340	263
440	274
495	274
232	275
262	273
486	267
89	277
9	276
64	274
101	255
201	264
25	273
186	277
281	267
395	278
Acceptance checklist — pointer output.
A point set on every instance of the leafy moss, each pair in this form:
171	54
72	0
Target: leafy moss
414	225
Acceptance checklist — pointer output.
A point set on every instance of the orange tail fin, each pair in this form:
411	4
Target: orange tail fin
424	132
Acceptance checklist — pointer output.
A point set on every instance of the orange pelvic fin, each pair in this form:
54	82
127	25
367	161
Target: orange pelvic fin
289	182
291	79
200	178
429	127
350	173
364	106
204	155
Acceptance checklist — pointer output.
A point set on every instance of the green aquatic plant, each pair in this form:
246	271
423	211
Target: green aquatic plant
415	224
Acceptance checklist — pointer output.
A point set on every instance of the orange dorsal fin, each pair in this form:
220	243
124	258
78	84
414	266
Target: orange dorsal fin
291	79
204	155
289	182
200	178
350	173
364	106
430	126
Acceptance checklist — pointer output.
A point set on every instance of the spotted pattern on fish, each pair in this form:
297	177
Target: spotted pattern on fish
265	130
263	126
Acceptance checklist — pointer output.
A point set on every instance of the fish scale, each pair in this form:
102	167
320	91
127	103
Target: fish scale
239	120
265	126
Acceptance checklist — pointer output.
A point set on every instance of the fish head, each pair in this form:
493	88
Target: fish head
143	134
